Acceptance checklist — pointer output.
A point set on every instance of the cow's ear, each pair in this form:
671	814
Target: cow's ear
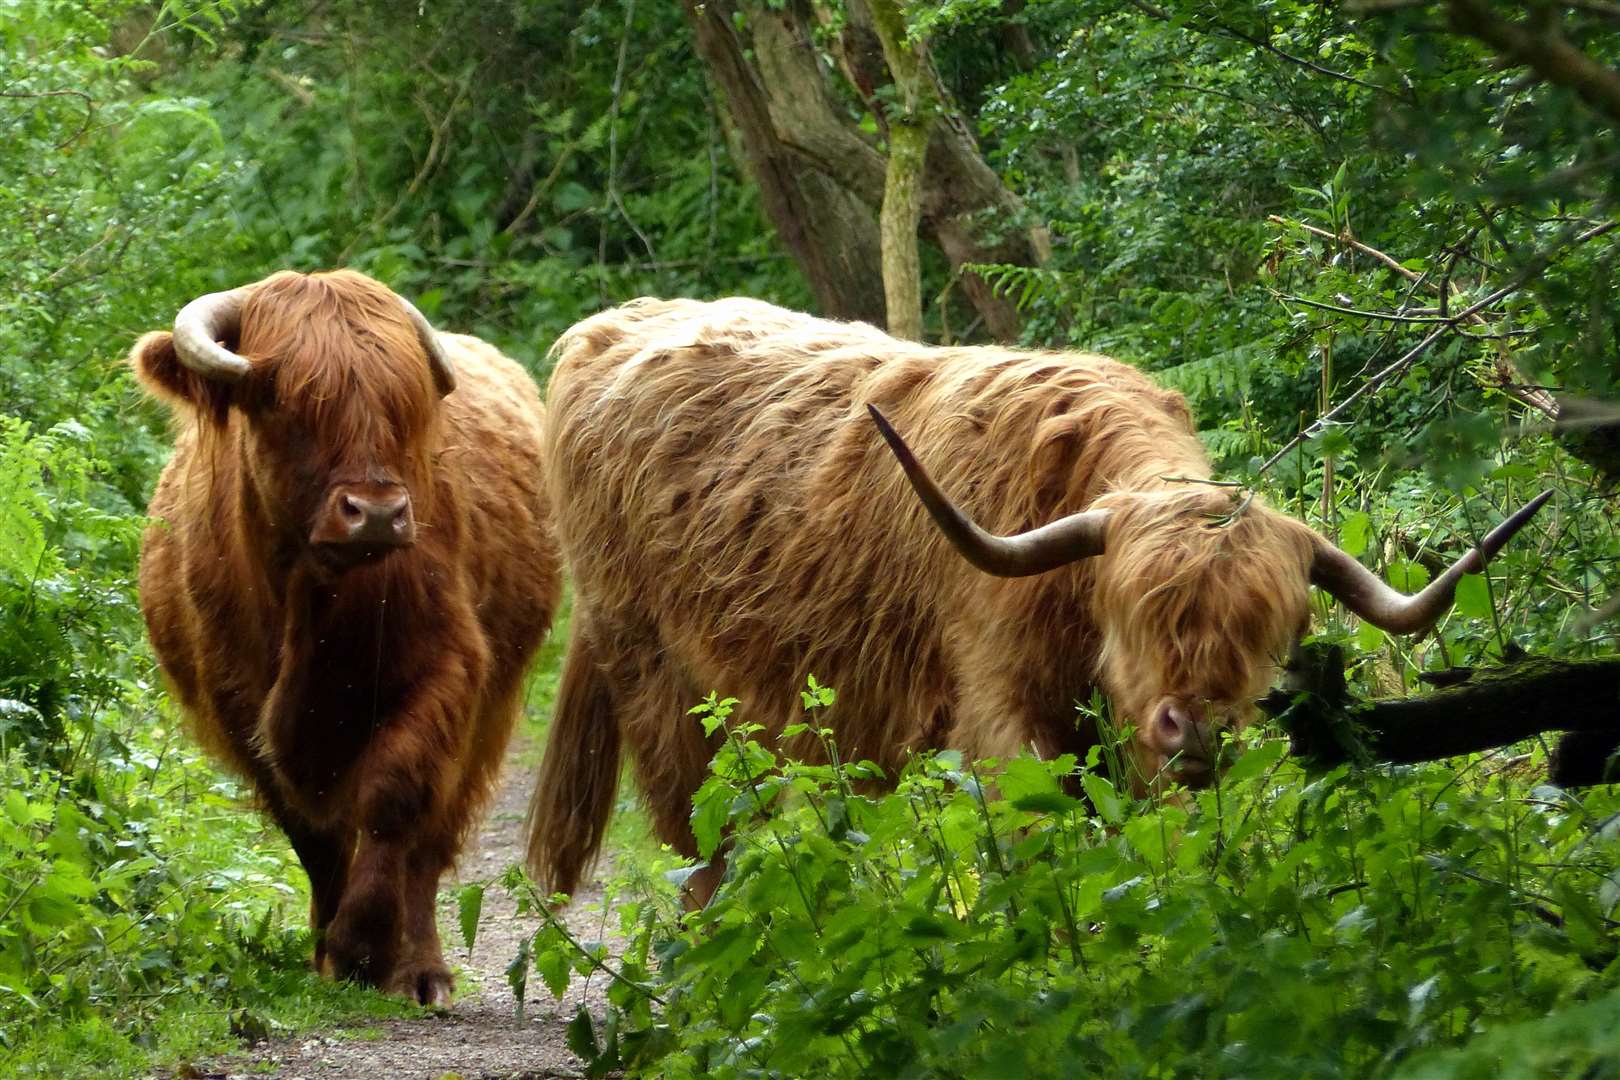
163	376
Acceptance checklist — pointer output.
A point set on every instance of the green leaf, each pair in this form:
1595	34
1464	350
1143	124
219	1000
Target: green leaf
517	972
1355	529
1256	762
1473	597
582	1035
1110	807
1407	575
17	808
710	810
469	905
1369	638
1048	802
554	965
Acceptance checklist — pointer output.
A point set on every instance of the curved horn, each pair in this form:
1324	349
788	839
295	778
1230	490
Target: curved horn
444	373
1391	610
198	329
1067	540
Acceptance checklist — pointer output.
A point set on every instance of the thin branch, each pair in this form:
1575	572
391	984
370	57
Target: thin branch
429	163
541	189
89	108
1345	238
1406	359
1386	316
613	145
1215	28
1508	379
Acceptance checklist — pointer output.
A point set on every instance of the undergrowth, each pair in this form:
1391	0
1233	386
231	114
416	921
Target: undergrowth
1392	922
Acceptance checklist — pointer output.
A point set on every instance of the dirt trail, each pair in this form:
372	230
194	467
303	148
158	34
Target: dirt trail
481	1038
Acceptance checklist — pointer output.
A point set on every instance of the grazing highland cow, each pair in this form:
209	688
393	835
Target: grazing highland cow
353	565
734	521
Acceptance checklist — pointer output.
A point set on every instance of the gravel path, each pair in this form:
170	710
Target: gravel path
481	1038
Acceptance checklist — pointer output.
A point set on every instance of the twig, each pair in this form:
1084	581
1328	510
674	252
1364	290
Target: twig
1345	238
1387	316
1360	392
1215	28
89	108
541	188
613	147
1508	379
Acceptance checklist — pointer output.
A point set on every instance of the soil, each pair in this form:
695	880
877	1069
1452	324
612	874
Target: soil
482	1036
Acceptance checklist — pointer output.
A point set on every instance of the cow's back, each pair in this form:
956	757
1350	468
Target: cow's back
731	517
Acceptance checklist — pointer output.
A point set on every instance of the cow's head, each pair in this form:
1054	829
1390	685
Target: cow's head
336	381
1199	595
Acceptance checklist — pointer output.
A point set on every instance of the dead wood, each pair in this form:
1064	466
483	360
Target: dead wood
1477	709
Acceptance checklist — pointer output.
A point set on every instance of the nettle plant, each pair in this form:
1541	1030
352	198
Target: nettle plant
965	922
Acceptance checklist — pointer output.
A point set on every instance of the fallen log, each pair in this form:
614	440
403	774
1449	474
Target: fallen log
1476	709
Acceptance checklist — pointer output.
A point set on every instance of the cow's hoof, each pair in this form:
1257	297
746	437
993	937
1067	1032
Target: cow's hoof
427	983
355	957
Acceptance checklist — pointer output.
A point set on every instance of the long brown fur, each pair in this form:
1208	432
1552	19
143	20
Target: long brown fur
369	708
734	522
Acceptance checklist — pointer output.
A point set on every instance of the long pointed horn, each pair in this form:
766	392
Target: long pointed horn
1391	610
1067	540
444	373
200	326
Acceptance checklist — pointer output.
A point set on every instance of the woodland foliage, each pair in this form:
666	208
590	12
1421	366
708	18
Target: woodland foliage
1396	215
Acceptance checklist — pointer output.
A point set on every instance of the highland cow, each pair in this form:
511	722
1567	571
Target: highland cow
351	567
733	520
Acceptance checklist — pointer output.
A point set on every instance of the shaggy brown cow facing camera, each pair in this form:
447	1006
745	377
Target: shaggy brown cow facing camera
352	567
733	521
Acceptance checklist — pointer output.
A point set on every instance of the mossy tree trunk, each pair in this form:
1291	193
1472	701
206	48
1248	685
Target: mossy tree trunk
909	126
824	180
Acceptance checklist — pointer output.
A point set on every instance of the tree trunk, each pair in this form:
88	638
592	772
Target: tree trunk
825	226
799	133
908	150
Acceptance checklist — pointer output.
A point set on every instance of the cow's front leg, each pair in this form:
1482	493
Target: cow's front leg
403	781
325	855
421	972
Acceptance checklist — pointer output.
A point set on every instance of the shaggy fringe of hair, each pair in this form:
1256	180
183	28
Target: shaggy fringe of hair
337	352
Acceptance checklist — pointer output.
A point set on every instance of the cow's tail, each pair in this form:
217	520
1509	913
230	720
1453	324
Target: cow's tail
573	795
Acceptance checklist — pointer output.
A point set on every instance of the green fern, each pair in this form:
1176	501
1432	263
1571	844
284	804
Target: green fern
23	506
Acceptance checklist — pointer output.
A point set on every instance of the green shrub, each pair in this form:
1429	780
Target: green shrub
974	924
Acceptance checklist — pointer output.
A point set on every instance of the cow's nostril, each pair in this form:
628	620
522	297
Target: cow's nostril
350	508
1172	726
